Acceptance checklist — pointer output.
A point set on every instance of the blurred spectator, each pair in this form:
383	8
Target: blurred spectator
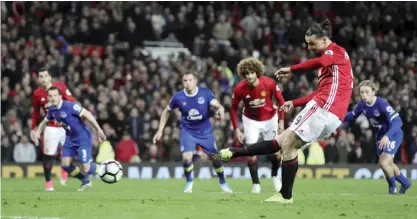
24	151
127	150
331	152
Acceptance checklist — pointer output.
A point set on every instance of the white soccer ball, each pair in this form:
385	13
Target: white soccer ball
110	171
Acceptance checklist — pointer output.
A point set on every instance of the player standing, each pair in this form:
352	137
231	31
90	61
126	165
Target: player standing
325	111
54	134
260	115
194	103
386	124
78	140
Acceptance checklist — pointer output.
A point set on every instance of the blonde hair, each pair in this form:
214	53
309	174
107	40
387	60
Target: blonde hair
368	83
249	65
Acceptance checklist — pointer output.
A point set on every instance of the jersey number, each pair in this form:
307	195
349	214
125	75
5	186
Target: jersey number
297	120
84	154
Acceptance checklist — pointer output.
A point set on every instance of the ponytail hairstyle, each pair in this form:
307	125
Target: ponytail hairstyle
323	29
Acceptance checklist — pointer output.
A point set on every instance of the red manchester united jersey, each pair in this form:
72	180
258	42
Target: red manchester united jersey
257	100
40	99
335	80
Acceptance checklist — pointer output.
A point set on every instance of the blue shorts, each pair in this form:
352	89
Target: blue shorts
393	145
189	142
82	148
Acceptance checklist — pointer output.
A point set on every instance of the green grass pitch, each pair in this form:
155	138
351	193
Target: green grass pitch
313	198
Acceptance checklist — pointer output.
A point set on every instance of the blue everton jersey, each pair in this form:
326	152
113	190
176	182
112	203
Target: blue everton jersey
380	115
195	110
69	116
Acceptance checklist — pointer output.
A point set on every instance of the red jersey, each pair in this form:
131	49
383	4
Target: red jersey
335	80
257	100
40	99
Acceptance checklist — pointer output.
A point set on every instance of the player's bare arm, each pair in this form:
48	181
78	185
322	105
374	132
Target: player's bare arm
219	108
37	133
90	118
162	123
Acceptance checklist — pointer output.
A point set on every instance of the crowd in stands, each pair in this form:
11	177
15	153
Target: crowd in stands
97	50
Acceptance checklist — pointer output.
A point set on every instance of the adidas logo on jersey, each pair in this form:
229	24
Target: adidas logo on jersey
248	96
43	99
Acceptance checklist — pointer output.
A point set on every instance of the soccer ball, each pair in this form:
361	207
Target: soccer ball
110	171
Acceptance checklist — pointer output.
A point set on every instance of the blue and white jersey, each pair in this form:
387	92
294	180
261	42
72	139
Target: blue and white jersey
69	114
382	117
195	110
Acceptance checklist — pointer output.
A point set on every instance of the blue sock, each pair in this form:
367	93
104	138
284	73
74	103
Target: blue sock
218	167
93	168
401	178
391	181
75	172
188	170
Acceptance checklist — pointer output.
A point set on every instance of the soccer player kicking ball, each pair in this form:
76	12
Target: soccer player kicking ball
194	103
325	110
54	134
78	136
260	115
386	124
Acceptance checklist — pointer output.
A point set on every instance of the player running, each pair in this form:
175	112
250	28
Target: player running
325	110
78	136
386	124
54	134
194	103
260	115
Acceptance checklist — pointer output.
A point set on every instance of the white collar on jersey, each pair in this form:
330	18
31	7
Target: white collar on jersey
60	104
191	95
372	104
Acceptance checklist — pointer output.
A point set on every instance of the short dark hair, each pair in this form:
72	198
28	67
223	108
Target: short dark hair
55	88
320	29
42	70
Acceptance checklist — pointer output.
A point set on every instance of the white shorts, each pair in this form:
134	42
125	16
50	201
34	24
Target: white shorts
314	123
253	129
52	138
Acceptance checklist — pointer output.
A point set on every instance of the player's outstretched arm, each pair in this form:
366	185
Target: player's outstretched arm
355	113
90	118
37	133
162	123
323	61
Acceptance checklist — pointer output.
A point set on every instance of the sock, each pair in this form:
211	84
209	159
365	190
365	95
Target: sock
275	163
262	147
47	166
253	169
218	167
93	168
289	170
391	181
188	169
76	172
402	179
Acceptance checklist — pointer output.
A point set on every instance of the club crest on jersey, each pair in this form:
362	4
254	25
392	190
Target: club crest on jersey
263	93
376	112
63	115
184	103
200	100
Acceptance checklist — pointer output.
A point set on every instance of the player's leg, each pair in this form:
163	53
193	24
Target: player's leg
209	146
391	170
64	174
188	145
68	153
270	133
50	147
87	166
251	132
385	162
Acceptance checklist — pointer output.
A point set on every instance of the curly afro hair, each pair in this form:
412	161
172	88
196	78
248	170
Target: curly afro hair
249	65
